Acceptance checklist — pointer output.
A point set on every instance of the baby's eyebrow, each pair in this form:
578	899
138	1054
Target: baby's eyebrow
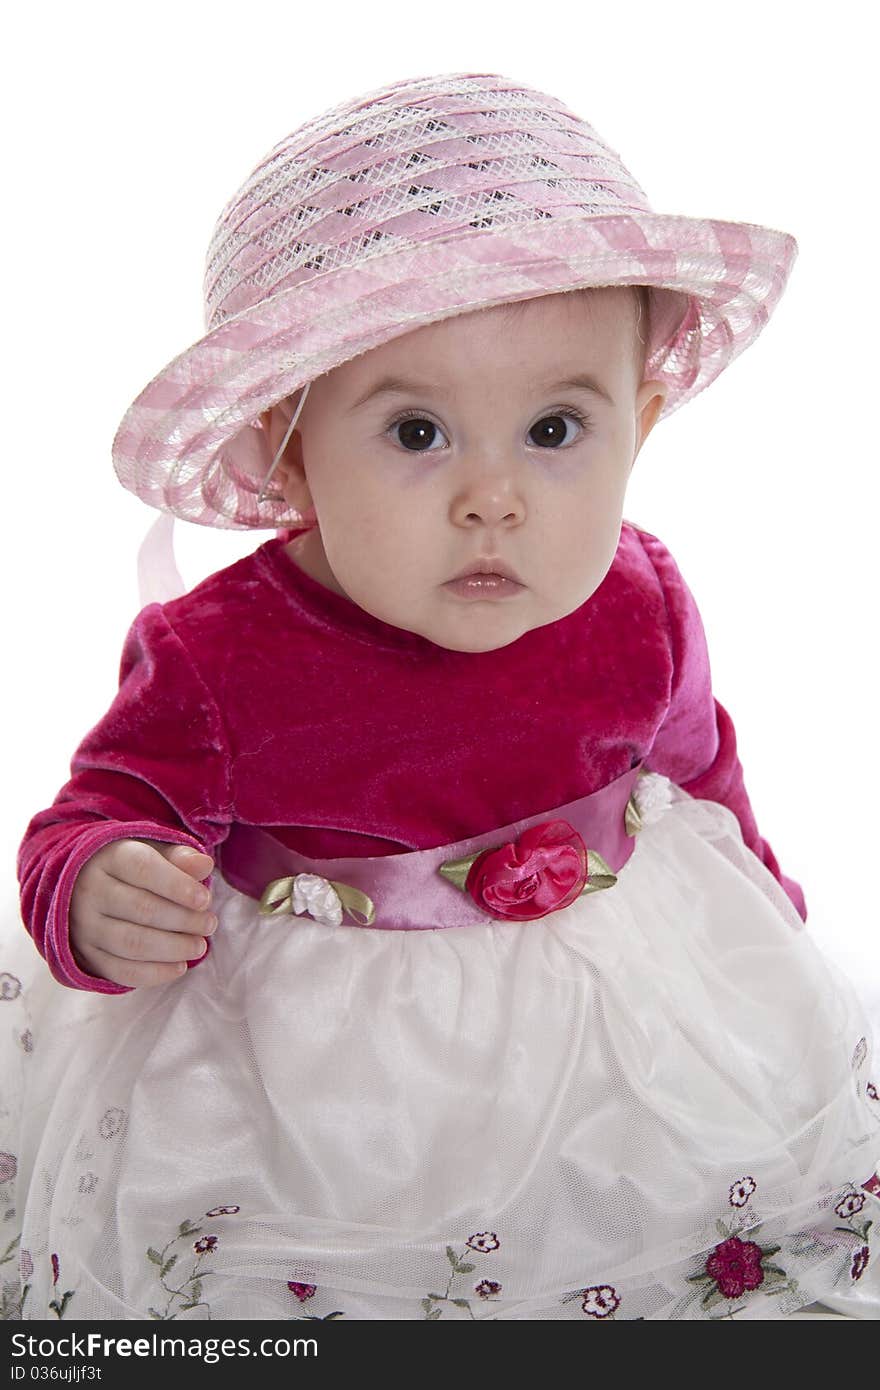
400	386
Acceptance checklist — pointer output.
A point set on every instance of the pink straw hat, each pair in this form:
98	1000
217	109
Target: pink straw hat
431	197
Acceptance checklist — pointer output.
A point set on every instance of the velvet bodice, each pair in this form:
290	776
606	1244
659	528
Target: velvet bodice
264	698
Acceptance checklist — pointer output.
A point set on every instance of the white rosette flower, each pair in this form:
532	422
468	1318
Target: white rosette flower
317	897
653	796
322	899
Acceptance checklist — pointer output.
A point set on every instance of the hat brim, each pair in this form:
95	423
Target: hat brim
187	445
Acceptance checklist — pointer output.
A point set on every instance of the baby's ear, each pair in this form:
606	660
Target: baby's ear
650	400
275	420
289	473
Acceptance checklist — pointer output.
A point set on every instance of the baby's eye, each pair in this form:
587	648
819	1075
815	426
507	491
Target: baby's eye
551	429
416	433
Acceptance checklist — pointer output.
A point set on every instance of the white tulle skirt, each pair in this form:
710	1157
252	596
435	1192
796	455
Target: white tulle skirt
659	1102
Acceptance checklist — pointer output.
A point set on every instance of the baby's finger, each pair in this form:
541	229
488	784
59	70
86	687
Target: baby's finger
142	864
192	861
135	973
131	941
129	904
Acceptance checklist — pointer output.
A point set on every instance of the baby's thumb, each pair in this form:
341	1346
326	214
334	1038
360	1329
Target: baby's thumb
192	861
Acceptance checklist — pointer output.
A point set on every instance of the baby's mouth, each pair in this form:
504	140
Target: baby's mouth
487	566
487	580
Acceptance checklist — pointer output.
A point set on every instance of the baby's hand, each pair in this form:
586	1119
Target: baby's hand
138	912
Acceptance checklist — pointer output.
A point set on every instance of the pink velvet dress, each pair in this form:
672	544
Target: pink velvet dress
526	1026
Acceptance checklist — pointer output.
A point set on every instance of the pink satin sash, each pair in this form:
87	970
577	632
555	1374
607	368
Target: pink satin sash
407	890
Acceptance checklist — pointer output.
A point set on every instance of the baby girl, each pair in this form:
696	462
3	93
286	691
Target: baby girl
453	976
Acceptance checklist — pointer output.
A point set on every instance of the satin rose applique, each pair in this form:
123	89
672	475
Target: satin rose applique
651	797
320	898
542	870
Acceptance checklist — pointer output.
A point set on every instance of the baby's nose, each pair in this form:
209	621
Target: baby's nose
488	500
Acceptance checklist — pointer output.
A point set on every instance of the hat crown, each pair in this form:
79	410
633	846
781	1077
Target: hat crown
413	162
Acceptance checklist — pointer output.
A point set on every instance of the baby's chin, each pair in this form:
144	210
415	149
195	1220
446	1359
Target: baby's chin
486	631
476	625
468	633
476	644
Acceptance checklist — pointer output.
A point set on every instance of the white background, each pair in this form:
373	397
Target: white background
128	127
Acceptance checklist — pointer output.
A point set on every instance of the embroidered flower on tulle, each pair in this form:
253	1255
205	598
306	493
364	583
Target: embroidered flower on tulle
26	1039
59	1303
26	1264
600	1301
860	1053
317	897
8	1166
10	986
735	1265
741	1191
484	1241
111	1122
222	1211
871	1091
850	1205
487	1288
302	1291
180	1292
860	1262
88	1182
652	795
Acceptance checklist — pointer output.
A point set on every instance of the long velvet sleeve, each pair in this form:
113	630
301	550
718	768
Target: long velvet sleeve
155	767
696	744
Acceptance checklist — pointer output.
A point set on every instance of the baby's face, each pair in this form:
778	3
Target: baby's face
484	448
